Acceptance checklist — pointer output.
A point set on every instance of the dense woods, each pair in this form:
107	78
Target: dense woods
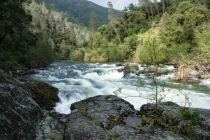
34	34
58	28
174	32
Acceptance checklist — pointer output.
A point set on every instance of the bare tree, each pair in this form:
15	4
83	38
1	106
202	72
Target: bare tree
148	5
93	25
113	20
164	5
151	9
145	3
156	6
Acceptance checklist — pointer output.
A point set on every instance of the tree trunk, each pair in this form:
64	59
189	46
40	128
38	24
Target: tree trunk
151	10
164	5
118	36
156	6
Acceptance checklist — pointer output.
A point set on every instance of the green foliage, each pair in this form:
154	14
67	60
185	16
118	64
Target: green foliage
76	55
81	108
118	91
187	114
114	53
178	32
14	21
58	28
179	35
134	20
44	94
149	52
172	133
40	55
129	46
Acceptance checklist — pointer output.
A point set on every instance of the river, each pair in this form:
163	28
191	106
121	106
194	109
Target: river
77	81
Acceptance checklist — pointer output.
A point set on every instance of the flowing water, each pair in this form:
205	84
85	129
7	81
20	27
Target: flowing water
77	81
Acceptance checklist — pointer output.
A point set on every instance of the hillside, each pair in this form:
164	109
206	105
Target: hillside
61	30
38	35
82	9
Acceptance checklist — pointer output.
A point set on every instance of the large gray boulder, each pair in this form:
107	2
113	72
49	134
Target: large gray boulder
21	107
18	112
108	117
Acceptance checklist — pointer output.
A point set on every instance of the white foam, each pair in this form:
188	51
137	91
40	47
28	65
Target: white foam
63	106
170	68
77	71
104	79
167	76
205	82
112	75
52	78
107	65
92	75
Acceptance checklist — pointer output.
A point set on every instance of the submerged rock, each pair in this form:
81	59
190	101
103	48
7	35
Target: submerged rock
133	70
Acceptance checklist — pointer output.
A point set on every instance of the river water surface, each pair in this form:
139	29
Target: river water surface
77	81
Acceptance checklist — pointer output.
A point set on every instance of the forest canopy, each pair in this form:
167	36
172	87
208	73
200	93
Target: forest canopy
177	30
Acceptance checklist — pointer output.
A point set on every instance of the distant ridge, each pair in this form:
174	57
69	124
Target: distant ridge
81	10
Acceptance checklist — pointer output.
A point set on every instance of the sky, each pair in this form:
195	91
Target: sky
117	4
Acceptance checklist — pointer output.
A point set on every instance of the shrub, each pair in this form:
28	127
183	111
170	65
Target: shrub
76	55
149	51
40	55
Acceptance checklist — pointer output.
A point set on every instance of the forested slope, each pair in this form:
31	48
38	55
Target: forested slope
58	28
34	34
82	9
155	32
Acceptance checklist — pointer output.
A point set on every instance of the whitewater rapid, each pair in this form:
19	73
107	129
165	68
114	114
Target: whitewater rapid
77	81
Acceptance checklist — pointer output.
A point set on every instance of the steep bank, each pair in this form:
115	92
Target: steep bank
26	113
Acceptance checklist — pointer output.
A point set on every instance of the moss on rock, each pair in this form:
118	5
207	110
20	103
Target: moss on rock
45	95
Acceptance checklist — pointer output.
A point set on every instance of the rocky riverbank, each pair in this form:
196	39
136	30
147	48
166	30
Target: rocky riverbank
131	70
26	113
